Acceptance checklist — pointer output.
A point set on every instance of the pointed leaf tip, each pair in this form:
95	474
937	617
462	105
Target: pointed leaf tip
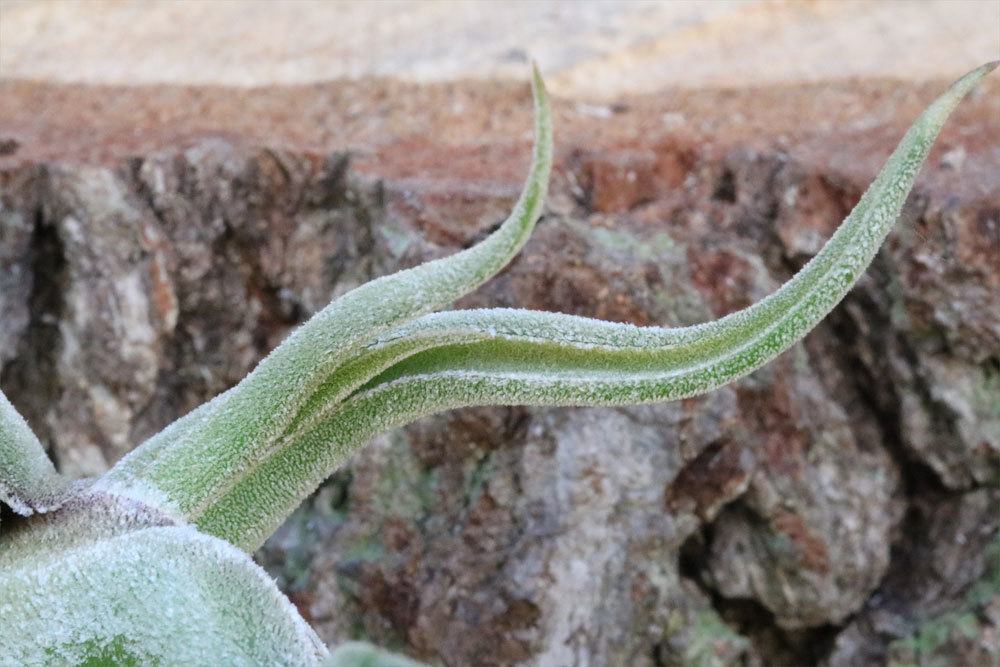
971	79
536	73
198	462
460	359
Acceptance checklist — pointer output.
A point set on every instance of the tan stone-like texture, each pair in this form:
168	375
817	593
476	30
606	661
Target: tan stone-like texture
588	48
839	507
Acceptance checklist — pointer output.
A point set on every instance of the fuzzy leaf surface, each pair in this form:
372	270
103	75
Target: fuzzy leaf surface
28	481
360	654
442	361
161	595
195	462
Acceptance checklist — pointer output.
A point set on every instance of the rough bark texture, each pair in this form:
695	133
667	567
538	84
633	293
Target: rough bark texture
839	507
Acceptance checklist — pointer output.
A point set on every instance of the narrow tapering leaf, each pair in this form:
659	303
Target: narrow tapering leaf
453	360
233	432
28	481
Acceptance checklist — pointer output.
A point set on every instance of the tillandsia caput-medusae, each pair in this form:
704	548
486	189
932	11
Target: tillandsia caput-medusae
148	563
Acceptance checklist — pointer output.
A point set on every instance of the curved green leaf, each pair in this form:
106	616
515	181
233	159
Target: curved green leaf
231	433
28	481
154	596
506	357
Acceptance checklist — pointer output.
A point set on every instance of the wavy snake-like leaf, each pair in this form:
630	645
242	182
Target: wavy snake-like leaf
154	538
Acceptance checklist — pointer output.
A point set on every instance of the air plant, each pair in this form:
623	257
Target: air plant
149	563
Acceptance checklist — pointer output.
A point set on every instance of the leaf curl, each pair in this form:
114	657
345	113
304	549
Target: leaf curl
501	357
229	434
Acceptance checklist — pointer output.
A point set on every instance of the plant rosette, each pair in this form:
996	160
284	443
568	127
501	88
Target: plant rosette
149	564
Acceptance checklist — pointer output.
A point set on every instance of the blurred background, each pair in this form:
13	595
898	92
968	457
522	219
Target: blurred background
182	183
592	48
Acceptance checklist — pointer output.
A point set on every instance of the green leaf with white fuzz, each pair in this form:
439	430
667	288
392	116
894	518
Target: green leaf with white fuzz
28	481
132	570
359	654
232	431
504	357
165	595
105	580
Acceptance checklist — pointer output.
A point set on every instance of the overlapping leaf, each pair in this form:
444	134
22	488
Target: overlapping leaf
154	596
113	576
228	435
490	357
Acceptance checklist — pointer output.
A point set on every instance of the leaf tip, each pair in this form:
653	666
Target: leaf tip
975	75
537	82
